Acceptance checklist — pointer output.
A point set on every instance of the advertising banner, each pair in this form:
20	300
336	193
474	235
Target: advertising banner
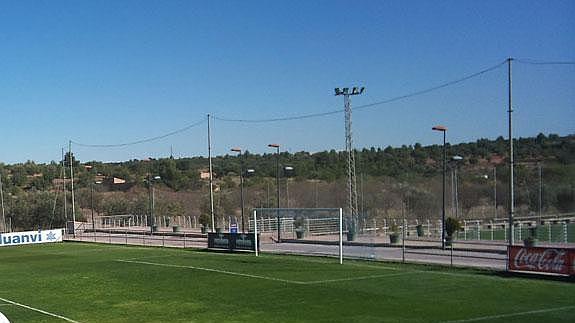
232	241
30	237
541	259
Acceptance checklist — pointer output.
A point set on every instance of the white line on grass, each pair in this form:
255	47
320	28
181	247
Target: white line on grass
263	277
213	270
491	317
353	278
38	310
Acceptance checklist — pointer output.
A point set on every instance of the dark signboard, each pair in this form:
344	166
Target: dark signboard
547	260
232	241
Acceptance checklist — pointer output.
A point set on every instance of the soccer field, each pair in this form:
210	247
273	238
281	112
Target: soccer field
80	282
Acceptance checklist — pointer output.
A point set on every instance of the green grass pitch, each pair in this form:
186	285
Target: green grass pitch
106	283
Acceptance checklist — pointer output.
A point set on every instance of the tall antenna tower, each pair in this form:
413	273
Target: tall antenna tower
351	179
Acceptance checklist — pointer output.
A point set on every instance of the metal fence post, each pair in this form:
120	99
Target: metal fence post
549	229
491	223
565	232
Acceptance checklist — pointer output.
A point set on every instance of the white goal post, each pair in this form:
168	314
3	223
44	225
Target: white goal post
300	228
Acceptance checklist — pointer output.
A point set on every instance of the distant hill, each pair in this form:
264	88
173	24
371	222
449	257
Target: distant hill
387	178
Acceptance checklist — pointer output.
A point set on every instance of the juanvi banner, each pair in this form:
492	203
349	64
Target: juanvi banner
29	237
547	260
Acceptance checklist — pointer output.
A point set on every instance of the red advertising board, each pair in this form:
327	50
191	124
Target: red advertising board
540	259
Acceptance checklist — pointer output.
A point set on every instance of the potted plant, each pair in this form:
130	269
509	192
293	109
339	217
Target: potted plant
394	234
419	229
452	225
204	220
299	223
529	242
351	230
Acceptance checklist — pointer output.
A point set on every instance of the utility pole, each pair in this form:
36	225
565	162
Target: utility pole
211	177
351	178
72	187
2	199
511	159
540	191
64	187
494	192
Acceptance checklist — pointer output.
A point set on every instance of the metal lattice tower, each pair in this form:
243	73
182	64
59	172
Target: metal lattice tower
351	178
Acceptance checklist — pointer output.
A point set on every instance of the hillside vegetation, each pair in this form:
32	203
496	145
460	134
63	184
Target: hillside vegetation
389	180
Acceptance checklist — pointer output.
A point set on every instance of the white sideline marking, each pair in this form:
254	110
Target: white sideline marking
212	270
313	282
38	310
491	317
353	278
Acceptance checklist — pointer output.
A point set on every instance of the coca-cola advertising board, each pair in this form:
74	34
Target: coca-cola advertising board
545	260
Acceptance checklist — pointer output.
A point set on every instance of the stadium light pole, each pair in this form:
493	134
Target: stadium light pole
288	172
277	147
92	206
444	130
455	160
151	198
2	199
239	151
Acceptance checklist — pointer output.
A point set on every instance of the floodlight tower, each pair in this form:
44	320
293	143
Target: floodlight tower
351	180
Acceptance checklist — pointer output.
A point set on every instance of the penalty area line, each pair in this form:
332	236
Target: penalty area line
38	310
354	278
225	272
492	317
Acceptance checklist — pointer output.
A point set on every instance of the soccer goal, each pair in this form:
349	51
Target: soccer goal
317	231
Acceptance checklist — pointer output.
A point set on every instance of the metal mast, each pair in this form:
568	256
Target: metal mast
351	178
511	159
72	188
211	177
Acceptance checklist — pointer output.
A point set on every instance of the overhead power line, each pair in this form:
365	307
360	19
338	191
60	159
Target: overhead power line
431	89
539	62
390	100
299	117
143	140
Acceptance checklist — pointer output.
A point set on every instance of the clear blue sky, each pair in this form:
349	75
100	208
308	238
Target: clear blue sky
107	72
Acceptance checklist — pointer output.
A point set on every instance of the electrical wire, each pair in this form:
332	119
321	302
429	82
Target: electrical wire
397	98
539	62
327	113
143	140
431	89
305	116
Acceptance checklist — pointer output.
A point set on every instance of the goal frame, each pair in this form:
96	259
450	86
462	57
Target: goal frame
339	211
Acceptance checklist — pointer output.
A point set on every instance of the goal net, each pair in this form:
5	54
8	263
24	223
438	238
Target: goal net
311	231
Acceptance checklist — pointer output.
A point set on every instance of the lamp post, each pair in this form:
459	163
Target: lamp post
288	172
2	199
454	160
277	147
239	151
150	180
444	130
92	206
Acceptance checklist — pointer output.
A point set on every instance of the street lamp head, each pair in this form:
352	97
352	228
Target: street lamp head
439	128
237	150
274	145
